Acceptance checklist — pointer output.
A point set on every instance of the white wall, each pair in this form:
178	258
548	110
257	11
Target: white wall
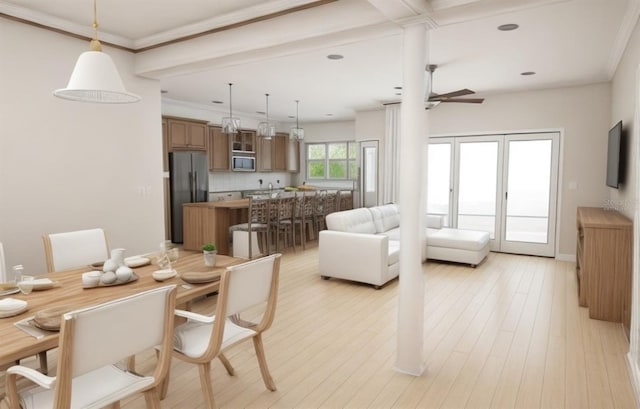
583	115
624	89
69	165
580	112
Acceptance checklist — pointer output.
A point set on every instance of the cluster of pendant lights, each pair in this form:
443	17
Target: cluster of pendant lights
96	79
266	129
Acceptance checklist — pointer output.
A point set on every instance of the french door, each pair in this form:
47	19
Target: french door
503	184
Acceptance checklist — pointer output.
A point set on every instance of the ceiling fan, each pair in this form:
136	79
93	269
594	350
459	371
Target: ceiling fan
435	99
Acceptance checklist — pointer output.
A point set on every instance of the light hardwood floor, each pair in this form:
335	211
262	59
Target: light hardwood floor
506	334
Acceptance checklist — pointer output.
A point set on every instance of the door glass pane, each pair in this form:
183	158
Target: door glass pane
370	171
438	180
478	184
528	189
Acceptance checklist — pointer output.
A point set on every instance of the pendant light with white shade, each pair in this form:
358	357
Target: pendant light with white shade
95	77
297	132
266	129
230	124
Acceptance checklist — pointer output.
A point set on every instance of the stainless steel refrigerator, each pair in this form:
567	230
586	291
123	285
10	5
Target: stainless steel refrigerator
189	179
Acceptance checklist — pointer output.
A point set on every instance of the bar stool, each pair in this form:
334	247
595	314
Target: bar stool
245	235
304	216
282	222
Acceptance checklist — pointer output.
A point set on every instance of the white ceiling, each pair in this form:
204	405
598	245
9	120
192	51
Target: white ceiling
566	42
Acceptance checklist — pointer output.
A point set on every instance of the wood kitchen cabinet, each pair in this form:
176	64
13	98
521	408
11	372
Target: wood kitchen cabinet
603	264
264	155
219	151
185	134
293	156
244	140
273	153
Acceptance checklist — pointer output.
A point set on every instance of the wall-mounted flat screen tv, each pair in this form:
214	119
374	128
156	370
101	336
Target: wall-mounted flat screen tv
615	156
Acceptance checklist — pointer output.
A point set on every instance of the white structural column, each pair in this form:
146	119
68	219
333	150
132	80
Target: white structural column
410	358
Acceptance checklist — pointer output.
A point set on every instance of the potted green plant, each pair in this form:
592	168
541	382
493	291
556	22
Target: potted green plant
209	250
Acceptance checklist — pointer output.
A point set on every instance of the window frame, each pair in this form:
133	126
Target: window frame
348	161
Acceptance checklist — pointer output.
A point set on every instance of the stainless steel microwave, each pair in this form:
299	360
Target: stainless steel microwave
243	163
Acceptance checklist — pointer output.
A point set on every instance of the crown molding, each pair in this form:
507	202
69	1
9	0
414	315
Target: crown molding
46	21
623	36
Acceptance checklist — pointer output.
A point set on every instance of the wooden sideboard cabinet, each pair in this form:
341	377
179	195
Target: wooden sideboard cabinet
603	264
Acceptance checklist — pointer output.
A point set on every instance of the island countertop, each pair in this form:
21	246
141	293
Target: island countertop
229	204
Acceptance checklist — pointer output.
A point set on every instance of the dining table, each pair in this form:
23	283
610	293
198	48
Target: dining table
68	293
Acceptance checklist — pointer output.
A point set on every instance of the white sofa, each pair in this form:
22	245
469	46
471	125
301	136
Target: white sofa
363	245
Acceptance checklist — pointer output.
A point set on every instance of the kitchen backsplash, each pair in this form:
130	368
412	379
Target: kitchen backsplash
226	181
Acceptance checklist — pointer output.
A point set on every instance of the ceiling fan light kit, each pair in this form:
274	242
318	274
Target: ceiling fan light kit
95	77
230	124
296	133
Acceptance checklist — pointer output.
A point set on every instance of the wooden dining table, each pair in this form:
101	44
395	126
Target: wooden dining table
69	292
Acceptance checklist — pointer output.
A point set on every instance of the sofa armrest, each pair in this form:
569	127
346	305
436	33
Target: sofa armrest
354	256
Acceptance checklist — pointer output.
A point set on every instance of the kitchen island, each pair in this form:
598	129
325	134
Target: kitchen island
208	222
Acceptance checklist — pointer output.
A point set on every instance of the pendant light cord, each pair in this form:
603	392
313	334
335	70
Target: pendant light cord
297	124
230	108
95	43
267	95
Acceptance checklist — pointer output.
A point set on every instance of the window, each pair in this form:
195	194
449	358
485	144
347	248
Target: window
333	160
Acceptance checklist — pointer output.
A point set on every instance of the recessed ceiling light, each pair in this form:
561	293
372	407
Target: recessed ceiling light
215	101
328	114
528	73
261	112
397	87
163	91
398	93
335	56
292	116
508	27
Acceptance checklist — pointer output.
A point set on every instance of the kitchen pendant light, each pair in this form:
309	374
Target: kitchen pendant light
230	124
297	132
266	130
95	77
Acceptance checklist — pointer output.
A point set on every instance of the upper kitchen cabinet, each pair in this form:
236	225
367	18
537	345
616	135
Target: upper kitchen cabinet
219	150
279	152
273	154
264	160
293	156
186	134
244	140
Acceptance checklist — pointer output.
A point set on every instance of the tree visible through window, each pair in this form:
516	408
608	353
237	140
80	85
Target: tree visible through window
333	160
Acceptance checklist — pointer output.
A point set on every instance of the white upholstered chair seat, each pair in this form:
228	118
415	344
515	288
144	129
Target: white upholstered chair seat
95	389
192	338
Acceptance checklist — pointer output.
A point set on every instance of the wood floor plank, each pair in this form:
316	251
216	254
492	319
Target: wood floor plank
508	333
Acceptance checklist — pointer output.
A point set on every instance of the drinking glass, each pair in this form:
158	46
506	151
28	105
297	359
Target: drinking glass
25	284
173	254
163	261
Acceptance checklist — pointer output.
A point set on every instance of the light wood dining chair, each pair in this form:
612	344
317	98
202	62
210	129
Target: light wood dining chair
75	248
92	341
203	338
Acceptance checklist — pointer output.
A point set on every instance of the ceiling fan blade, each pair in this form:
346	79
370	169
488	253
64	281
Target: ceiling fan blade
458	93
465	100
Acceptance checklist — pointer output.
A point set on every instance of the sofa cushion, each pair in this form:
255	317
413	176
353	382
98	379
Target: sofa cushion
394	252
457	239
353	221
385	217
435	222
393	234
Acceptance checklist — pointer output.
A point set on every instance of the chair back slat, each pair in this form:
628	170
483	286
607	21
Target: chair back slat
113	331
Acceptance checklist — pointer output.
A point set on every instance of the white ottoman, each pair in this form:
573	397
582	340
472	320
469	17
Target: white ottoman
457	245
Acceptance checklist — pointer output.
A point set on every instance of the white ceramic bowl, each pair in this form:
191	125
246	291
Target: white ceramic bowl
161	275
91	279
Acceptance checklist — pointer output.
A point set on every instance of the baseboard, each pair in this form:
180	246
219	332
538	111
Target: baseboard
634	374
566	257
